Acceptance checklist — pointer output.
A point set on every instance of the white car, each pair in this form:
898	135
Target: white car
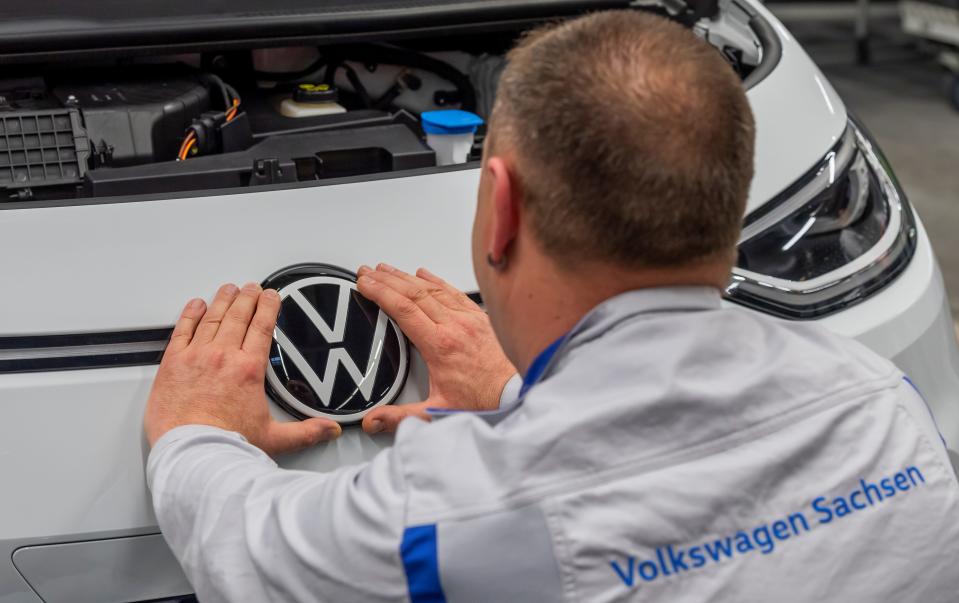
150	153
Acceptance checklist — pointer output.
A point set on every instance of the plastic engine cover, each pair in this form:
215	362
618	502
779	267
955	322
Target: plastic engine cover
142	121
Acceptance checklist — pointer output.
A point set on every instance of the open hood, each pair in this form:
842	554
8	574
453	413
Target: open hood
51	27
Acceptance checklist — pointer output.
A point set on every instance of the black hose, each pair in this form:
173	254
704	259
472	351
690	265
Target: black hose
393	55
383	103
358	86
215	80
234	94
334	64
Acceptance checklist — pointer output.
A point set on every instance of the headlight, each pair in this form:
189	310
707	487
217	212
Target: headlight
840	233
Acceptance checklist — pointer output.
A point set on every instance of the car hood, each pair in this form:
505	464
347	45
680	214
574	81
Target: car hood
799	117
53	26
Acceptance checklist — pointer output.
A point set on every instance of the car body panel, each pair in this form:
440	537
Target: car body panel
910	323
151	256
86	572
798	114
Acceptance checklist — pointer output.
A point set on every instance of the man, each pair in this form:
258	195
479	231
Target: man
659	448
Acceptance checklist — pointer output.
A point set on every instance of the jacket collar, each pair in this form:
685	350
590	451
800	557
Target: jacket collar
615	310
597	322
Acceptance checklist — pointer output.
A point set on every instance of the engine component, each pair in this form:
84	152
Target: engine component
41	149
217	132
169	127
278	159
371	54
136	121
310	100
265	121
450	133
25	94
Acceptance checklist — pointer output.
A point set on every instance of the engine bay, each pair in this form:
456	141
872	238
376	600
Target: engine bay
249	117
171	127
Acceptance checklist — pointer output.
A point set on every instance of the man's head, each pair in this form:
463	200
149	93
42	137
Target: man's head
621	144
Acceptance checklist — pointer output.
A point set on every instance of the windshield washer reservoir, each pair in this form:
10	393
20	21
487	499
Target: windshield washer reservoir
450	133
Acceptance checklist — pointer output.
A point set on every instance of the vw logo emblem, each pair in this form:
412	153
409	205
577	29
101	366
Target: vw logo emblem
335	354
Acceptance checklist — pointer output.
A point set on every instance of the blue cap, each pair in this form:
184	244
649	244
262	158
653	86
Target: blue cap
450	121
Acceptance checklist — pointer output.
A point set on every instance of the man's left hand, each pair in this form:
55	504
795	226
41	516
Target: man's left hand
213	372
467	366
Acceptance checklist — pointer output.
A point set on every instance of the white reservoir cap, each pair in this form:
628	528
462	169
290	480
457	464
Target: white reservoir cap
450	134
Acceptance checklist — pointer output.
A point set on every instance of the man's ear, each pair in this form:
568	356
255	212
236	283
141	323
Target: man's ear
505	197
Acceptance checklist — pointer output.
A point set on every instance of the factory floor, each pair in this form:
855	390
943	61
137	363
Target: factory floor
900	97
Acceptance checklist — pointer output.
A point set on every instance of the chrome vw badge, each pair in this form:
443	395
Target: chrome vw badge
335	354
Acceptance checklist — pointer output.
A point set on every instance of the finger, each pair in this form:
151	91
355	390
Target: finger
410	317
386	419
210	323
237	319
420	292
442	290
186	325
425	274
288	437
364	269
260	334
455	294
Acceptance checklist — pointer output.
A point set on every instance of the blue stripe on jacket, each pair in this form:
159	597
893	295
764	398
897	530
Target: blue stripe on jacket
421	563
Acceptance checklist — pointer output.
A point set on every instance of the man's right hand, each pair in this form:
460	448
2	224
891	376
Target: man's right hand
467	366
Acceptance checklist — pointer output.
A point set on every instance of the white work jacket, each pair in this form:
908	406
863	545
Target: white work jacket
666	449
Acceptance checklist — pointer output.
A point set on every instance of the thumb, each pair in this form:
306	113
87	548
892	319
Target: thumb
287	437
386	419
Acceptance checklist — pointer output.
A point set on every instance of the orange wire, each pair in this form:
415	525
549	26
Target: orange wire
190	139
188	142
186	139
188	147
233	110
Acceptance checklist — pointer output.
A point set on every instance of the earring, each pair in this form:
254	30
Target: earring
496	264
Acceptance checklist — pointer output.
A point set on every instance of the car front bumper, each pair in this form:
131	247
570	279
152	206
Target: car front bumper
72	451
